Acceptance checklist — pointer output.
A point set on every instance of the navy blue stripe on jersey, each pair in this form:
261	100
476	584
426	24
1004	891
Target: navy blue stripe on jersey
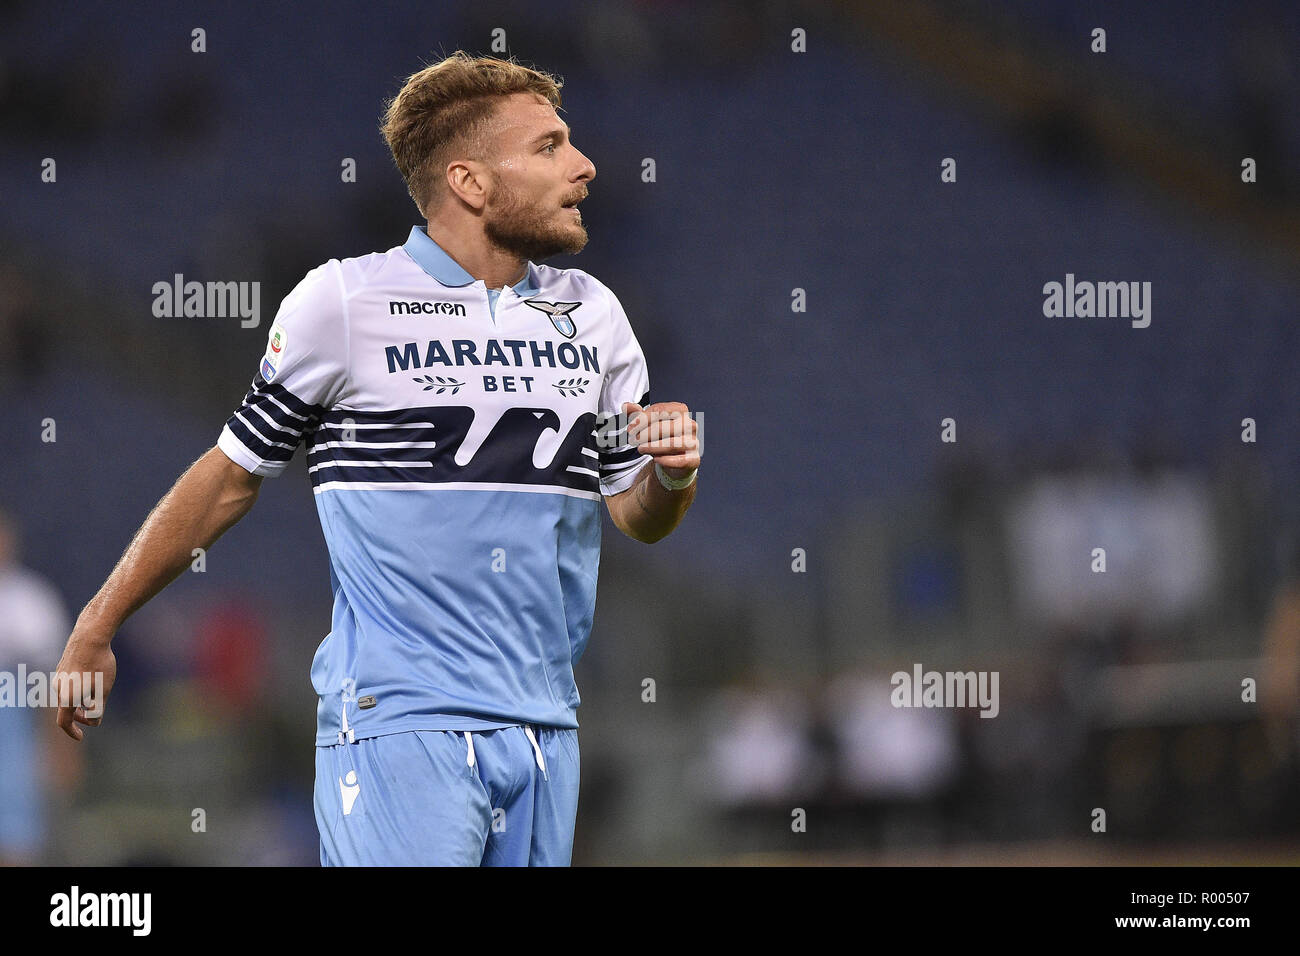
398	474
371	433
272	421
613	460
421	445
323	452
255	443
263	388
276	414
615	452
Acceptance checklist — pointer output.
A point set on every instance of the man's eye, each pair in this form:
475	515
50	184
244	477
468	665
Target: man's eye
550	146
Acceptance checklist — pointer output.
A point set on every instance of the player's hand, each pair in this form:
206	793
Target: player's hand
88	652
668	432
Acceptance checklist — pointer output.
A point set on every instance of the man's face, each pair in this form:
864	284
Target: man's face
537	177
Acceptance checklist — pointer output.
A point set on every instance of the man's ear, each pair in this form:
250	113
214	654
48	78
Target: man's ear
468	180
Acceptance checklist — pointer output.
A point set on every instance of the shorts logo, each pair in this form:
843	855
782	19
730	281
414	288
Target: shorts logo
348	790
559	314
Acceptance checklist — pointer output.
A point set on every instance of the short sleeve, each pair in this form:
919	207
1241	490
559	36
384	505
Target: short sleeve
626	380
297	379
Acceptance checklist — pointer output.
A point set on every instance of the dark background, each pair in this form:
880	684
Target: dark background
776	170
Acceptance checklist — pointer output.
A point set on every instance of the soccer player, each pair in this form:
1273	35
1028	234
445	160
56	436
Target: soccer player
461	407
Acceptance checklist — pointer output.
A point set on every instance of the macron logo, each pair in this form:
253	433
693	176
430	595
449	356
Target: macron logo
102	909
348	791
426	308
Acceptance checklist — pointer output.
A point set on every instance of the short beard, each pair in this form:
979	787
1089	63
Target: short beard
530	233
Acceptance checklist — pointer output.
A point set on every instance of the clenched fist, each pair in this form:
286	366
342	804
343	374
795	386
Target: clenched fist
668	432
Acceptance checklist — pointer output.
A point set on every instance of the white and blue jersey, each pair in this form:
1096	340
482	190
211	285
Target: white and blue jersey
452	443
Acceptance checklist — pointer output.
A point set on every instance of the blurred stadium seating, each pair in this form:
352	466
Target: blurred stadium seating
775	171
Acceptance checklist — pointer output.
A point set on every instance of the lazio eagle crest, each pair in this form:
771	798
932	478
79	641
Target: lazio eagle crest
559	313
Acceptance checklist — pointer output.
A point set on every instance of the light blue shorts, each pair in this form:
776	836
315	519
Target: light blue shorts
504	797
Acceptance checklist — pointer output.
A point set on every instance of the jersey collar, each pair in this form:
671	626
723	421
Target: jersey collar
433	259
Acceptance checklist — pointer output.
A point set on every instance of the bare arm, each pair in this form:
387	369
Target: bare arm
212	495
648	512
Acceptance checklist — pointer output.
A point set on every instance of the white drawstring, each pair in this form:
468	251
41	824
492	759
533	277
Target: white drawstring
471	759
537	751
351	734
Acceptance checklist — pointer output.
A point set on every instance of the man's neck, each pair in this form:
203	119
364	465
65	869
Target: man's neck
494	266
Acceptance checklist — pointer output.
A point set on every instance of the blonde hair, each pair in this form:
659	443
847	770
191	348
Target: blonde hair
444	109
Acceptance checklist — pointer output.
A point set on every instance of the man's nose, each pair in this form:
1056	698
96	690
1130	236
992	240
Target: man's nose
587	170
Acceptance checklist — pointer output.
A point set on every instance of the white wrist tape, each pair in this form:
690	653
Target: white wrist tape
675	484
